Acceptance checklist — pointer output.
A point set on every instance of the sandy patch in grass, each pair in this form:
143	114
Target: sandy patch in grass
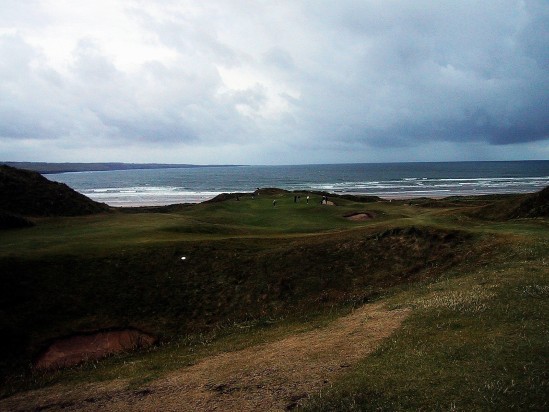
360	217
79	348
267	377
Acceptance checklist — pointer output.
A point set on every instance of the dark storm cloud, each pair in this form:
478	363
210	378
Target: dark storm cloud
456	71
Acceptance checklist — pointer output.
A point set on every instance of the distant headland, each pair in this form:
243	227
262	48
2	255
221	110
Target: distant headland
44	167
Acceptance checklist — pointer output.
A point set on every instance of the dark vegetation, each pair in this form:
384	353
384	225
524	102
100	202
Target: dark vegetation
526	206
495	207
13	221
155	290
354	198
271	191
473	269
28	193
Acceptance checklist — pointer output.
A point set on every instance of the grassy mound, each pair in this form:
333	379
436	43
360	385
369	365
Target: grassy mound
28	193
508	207
534	205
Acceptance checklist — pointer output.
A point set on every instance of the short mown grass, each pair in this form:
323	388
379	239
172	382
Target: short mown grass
208	221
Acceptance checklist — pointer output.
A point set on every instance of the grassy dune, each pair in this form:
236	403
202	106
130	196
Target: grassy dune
476	280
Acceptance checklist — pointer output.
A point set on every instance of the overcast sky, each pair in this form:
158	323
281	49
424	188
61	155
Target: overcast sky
273	82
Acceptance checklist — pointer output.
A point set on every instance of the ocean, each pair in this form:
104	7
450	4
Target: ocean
387	180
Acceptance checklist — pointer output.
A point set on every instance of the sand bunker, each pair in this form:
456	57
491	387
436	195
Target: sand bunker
359	217
80	348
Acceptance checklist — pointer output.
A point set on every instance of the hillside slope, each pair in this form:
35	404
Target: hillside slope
533	205
507	207
29	193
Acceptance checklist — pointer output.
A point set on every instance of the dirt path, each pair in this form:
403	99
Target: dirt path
269	377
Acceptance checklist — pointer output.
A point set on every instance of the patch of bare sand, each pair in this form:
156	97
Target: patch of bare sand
269	377
360	217
76	349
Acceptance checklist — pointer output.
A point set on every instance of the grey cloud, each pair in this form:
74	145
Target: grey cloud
252	97
22	13
535	36
194	39
422	73
151	129
368	73
26	107
97	101
91	64
279	58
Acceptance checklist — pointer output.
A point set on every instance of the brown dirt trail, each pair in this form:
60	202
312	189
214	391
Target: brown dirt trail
269	377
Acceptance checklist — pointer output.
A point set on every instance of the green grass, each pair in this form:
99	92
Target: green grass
246	218
476	340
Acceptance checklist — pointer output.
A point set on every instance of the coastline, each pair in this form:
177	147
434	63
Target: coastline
388	181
